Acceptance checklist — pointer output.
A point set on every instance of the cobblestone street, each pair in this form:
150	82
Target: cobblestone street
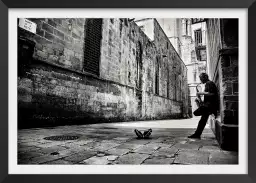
116	143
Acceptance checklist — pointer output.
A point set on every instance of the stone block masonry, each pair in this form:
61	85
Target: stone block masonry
223	67
112	79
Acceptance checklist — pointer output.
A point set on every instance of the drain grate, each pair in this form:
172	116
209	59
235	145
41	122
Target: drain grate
61	137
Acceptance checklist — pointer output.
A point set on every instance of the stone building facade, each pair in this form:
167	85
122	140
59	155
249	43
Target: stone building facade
222	52
79	71
189	41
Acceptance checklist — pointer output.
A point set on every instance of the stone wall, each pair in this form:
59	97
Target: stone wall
55	88
223	67
213	44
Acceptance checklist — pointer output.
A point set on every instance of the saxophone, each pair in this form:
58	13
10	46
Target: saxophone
198	100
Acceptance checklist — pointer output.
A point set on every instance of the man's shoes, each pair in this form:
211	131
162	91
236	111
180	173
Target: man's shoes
138	133
194	136
147	133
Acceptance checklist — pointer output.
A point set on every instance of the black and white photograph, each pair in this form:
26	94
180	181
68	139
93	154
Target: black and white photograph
128	91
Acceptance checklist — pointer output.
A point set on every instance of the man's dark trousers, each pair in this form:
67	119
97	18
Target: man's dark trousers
204	112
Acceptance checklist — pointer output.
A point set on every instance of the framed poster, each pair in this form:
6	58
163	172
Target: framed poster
152	174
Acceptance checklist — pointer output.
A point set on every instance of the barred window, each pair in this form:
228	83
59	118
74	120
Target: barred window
198	37
92	45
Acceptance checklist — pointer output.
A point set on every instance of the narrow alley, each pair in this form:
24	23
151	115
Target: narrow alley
85	84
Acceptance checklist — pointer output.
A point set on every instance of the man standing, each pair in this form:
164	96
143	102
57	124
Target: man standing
209	105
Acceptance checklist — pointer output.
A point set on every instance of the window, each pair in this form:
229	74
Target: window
92	45
121	26
139	65
186	27
175	87
157	76
198	37
180	90
168	81
126	22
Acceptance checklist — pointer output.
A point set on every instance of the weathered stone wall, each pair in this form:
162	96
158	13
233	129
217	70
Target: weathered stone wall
55	43
213	44
223	67
172	67
54	88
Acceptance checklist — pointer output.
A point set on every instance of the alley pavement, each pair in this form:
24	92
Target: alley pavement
116	143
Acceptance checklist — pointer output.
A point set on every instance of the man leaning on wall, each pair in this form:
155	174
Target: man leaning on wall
206	107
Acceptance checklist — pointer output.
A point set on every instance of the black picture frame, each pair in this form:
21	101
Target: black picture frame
6	4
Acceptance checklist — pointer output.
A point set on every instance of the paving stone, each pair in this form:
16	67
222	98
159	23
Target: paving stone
222	158
96	161
147	149
28	155
183	142
105	146
66	152
75	158
159	144
100	155
26	162
209	148
75	147
158	160
204	142
91	145
59	162
128	146
31	143
111	158
108	141
180	138
187	146
169	142
44	159
122	138
83	142
192	157
166	152
119	152
53	143
132	158
45	145
51	149
157	140
27	148
139	141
